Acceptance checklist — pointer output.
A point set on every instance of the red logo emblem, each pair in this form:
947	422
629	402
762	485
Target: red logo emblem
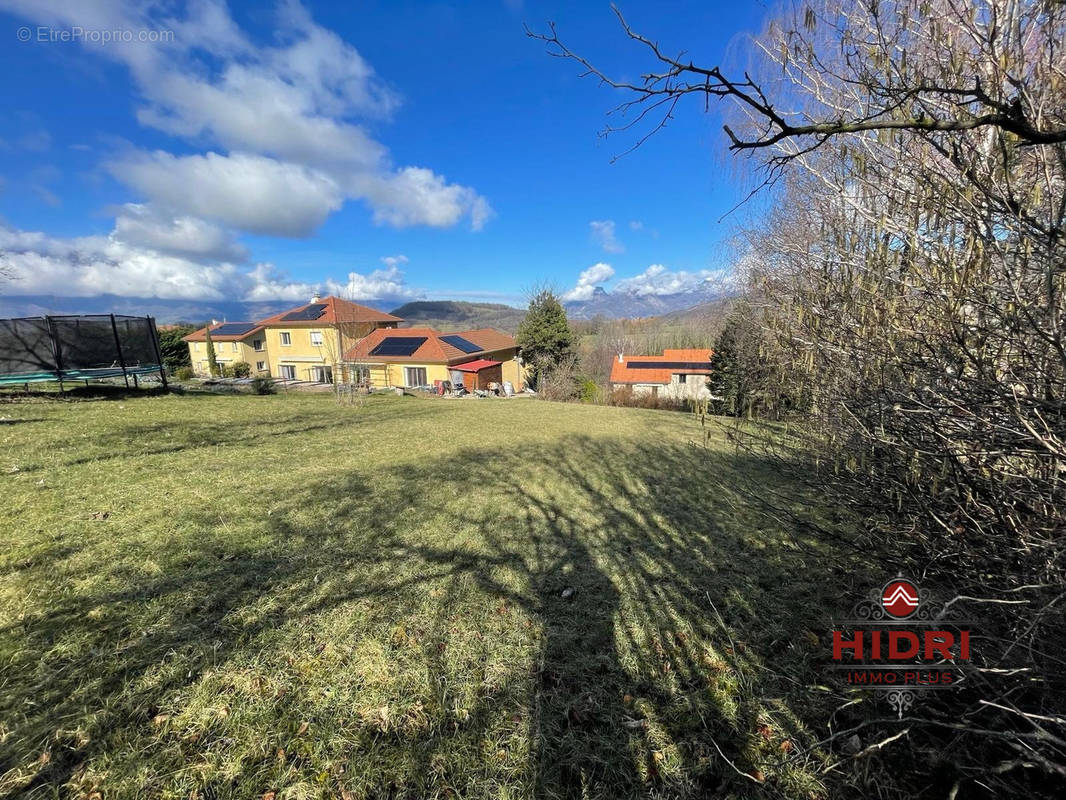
899	598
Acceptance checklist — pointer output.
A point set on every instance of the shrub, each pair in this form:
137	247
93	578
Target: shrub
261	384
590	392
225	371
627	397
173	348
241	369
183	373
560	383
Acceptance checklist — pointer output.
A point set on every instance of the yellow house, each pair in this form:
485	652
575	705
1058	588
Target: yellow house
306	343
415	357
233	342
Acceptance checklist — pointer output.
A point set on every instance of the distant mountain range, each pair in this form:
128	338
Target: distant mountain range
442	314
621	304
164	311
454	315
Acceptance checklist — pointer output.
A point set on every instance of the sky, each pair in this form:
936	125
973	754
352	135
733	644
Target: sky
385	151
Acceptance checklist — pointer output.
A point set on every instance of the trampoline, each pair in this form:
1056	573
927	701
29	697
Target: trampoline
66	349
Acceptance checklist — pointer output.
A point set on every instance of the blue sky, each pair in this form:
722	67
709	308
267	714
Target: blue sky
392	151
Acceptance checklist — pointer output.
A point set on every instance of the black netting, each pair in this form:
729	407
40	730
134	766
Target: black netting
86	342
25	346
83	343
138	340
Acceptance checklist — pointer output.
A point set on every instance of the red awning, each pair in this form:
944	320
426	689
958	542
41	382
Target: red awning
476	366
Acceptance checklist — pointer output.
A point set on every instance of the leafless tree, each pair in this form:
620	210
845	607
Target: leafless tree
869	43
910	278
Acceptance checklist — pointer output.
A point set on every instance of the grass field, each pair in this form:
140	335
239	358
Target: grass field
237	596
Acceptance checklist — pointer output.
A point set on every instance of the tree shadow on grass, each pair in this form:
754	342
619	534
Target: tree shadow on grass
682	644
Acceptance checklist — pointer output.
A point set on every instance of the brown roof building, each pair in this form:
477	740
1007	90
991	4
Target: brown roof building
678	374
414	357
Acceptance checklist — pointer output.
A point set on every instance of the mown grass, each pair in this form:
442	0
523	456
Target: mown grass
231	596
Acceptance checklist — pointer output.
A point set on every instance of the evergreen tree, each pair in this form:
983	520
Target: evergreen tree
212	363
729	382
174	350
544	334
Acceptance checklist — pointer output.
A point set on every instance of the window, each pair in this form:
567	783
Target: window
677	377
316	338
288	372
414	376
286	338
258	345
199	346
234	347
260	366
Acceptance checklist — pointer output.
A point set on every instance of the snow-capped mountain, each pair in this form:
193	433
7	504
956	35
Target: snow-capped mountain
630	304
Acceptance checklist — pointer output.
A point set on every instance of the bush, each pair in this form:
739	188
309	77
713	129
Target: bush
173	348
590	392
183	373
560	383
627	397
241	369
261	384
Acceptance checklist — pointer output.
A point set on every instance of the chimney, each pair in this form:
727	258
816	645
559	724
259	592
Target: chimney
214	322
619	358
315	298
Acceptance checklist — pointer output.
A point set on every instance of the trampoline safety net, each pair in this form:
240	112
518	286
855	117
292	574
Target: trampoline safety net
77	348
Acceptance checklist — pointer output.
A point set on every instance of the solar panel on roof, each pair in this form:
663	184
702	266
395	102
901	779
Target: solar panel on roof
465	345
233	328
398	345
307	313
668	365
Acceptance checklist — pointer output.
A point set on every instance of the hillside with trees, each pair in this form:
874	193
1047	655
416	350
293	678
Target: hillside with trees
454	315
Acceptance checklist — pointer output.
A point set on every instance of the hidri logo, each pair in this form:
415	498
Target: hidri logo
899	598
900	642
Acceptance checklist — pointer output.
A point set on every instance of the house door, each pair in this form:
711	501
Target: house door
322	374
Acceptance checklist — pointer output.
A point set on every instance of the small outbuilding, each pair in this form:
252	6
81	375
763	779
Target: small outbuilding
478	374
676	374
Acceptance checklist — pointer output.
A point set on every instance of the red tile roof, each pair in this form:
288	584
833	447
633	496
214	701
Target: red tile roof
696	361
200	336
434	350
337	310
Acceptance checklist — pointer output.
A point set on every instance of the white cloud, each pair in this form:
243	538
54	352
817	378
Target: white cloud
116	264
636	225
297	106
266	282
418	196
92	265
138	224
380	284
248	192
658	280
603	232
588	280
